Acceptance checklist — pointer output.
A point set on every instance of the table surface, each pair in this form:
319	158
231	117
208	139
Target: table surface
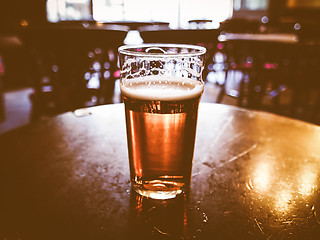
255	176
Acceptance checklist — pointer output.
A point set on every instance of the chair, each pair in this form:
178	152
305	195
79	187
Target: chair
271	78
76	66
264	68
238	57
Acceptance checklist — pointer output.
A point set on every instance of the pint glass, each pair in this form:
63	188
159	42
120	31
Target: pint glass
161	86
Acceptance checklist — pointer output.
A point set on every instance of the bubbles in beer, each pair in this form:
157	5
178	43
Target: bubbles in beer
161	116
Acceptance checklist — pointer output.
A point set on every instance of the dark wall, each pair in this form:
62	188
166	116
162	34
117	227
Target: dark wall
280	12
9	15
12	12
15	57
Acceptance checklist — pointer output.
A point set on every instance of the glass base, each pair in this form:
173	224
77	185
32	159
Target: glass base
158	189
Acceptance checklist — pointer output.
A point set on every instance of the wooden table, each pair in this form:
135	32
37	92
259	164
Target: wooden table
255	176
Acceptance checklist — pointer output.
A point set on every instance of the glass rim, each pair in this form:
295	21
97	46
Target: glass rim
125	49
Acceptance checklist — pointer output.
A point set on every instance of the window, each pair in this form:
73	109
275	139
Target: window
256	4
251	5
237	5
108	10
64	10
176	12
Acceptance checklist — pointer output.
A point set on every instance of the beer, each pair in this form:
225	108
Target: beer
161	117
161	85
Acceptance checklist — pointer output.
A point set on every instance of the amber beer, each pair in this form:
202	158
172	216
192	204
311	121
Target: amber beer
161	117
161	86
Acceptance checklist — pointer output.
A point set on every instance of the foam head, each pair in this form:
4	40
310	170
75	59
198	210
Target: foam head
161	88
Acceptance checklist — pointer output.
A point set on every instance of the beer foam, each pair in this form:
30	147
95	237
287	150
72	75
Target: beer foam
161	88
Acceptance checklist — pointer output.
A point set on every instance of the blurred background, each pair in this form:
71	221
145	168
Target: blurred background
60	55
